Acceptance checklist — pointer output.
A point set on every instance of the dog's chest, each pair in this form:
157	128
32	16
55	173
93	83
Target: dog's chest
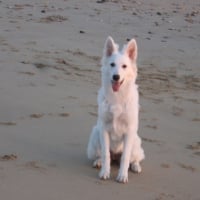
116	120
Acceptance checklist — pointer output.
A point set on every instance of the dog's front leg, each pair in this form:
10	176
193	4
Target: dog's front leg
105	155
125	159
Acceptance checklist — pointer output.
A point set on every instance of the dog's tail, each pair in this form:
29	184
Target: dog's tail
93	149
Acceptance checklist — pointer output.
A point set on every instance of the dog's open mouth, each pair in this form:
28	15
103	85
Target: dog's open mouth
116	85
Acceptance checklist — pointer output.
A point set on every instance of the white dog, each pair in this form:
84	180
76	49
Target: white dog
116	130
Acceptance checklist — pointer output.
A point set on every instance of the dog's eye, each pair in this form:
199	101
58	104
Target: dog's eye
112	64
124	66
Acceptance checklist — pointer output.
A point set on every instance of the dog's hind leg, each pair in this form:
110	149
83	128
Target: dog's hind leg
94	149
137	155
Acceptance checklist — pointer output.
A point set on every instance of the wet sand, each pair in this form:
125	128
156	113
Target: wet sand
49	76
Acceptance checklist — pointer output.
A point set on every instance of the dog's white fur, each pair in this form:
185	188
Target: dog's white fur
117	124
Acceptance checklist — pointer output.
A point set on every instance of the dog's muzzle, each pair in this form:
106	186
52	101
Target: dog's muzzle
116	83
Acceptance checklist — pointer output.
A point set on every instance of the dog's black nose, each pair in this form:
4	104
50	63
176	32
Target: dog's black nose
116	77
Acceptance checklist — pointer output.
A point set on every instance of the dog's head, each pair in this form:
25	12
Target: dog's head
119	66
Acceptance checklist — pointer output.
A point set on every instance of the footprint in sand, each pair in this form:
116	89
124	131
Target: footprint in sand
177	111
152	141
93	114
152	127
53	18
187	167
36	116
33	165
27	73
196	119
40	115
165	165
163	196
195	147
63	114
8	157
8	123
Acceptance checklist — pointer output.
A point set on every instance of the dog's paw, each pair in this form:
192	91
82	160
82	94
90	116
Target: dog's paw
97	163
122	178
136	168
104	174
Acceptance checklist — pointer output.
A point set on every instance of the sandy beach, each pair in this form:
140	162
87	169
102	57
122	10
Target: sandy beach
50	54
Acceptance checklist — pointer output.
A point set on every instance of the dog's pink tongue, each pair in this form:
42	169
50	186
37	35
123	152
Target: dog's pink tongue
115	86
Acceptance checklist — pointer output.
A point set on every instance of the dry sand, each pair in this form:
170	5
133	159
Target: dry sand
49	76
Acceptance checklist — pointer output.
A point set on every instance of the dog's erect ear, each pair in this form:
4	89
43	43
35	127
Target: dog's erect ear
131	49
110	47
